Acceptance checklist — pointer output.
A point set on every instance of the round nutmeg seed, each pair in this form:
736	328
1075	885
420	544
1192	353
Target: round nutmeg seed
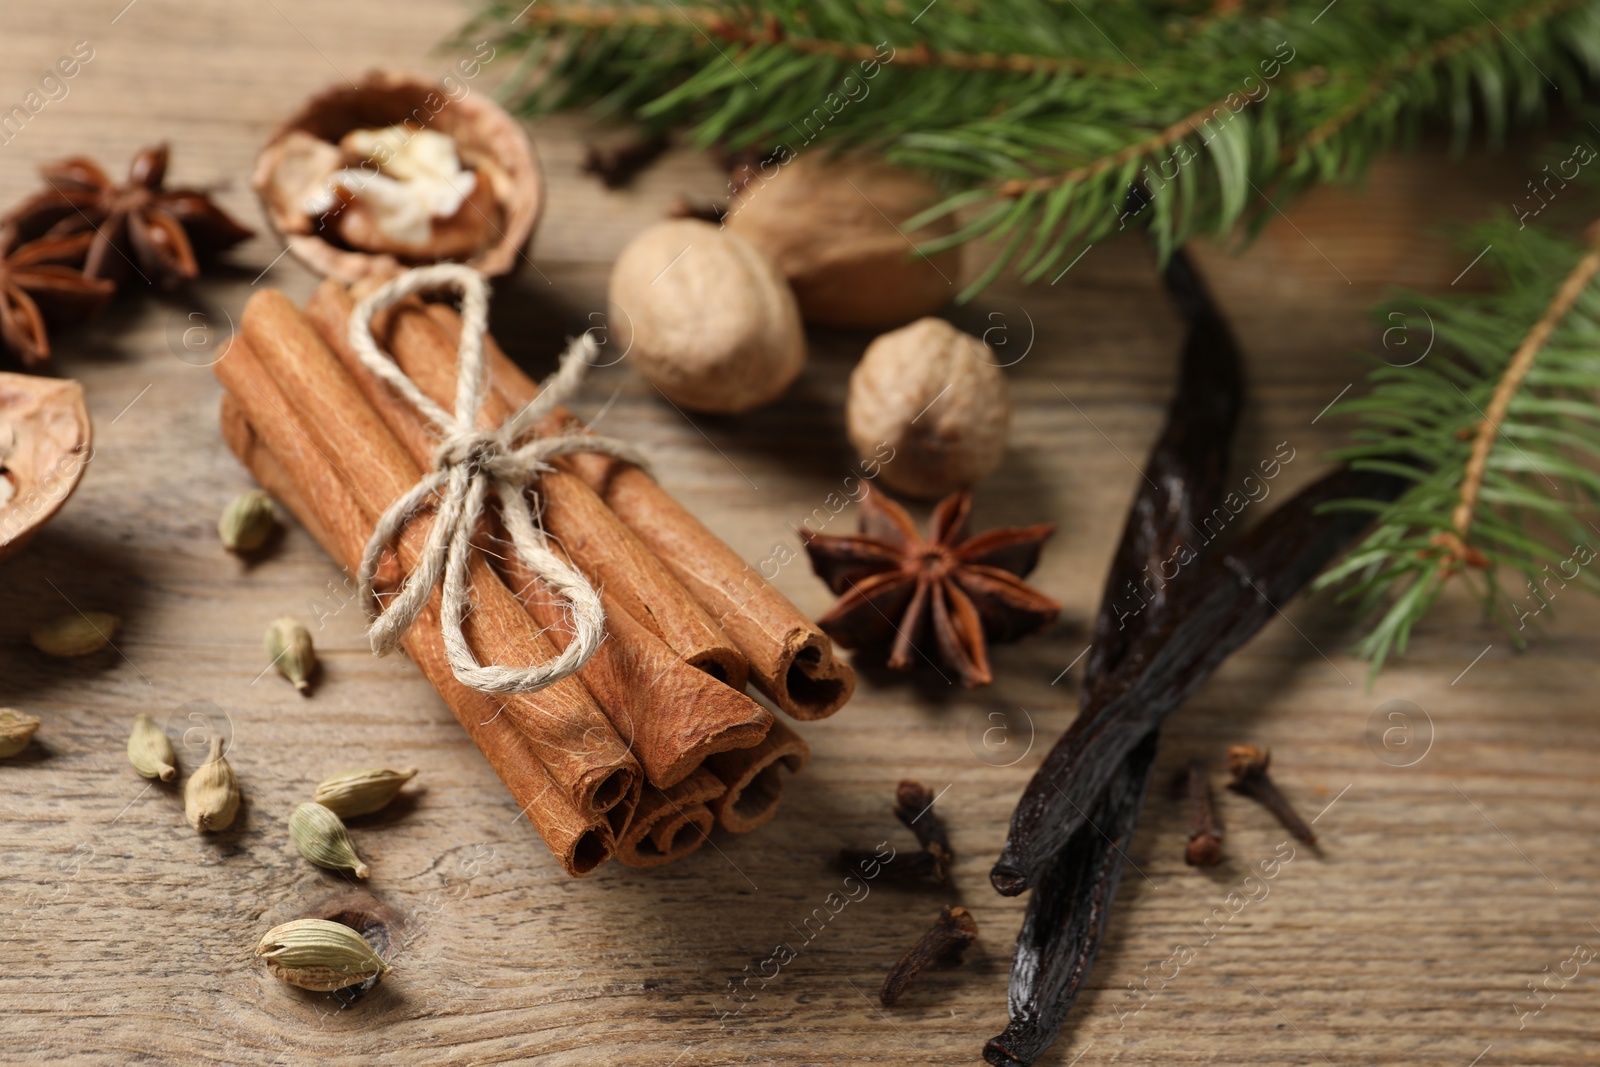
929	406
835	228
705	317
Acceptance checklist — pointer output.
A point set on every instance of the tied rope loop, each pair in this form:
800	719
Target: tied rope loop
467	464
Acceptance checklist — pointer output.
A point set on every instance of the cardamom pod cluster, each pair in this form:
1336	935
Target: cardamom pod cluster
318	954
16	730
77	634
321	837
150	750
361	792
246	522
289	646
211	796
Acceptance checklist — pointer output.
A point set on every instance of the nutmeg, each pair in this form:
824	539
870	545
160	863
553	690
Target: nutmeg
834	228
705	317
937	397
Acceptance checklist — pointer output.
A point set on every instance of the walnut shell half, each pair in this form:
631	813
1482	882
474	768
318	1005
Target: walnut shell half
488	140
44	445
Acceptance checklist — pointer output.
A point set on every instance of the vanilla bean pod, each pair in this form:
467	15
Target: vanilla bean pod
1232	597
1183	481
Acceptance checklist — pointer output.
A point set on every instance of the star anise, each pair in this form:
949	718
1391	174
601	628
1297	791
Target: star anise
897	589
138	226
38	283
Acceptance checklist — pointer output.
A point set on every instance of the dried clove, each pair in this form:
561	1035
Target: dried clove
904	867
952	932
1248	765
913	806
1205	836
616	165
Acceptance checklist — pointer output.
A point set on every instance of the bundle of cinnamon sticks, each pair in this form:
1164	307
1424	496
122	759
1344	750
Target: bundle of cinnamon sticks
653	741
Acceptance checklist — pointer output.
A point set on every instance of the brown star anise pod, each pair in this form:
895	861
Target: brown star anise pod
140	226
38	283
896	587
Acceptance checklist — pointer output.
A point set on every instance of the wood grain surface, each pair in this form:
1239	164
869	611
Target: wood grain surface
1440	891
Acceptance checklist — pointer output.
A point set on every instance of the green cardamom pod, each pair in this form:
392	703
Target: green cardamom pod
150	751
289	646
77	634
361	792
318	954
211	796
247	521
320	836
16	730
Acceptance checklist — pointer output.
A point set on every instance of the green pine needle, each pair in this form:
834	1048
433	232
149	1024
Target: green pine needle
1534	533
1036	116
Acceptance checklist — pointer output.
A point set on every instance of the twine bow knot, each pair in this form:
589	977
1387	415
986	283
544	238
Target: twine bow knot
467	464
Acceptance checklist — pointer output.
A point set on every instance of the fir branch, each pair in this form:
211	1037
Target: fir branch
1516	373
769	31
1039	119
1502	424
1438	52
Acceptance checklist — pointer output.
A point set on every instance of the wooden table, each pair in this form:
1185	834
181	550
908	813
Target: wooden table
1442	889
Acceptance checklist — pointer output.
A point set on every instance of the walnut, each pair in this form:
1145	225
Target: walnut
705	317
937	397
45	443
834	228
366	233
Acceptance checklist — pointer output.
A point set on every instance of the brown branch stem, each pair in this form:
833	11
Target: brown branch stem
1511	381
770	32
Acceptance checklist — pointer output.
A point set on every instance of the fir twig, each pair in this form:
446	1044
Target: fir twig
1038	117
1516	373
770	32
1503	422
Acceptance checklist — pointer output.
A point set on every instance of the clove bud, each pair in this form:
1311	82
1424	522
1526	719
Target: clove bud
1248	765
952	932
1205	836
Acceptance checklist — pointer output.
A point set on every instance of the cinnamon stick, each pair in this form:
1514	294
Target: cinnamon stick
303	480
605	550
570	734
754	778
671	715
791	660
670	823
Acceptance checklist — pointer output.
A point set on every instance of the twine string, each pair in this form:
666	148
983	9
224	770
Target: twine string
467	464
